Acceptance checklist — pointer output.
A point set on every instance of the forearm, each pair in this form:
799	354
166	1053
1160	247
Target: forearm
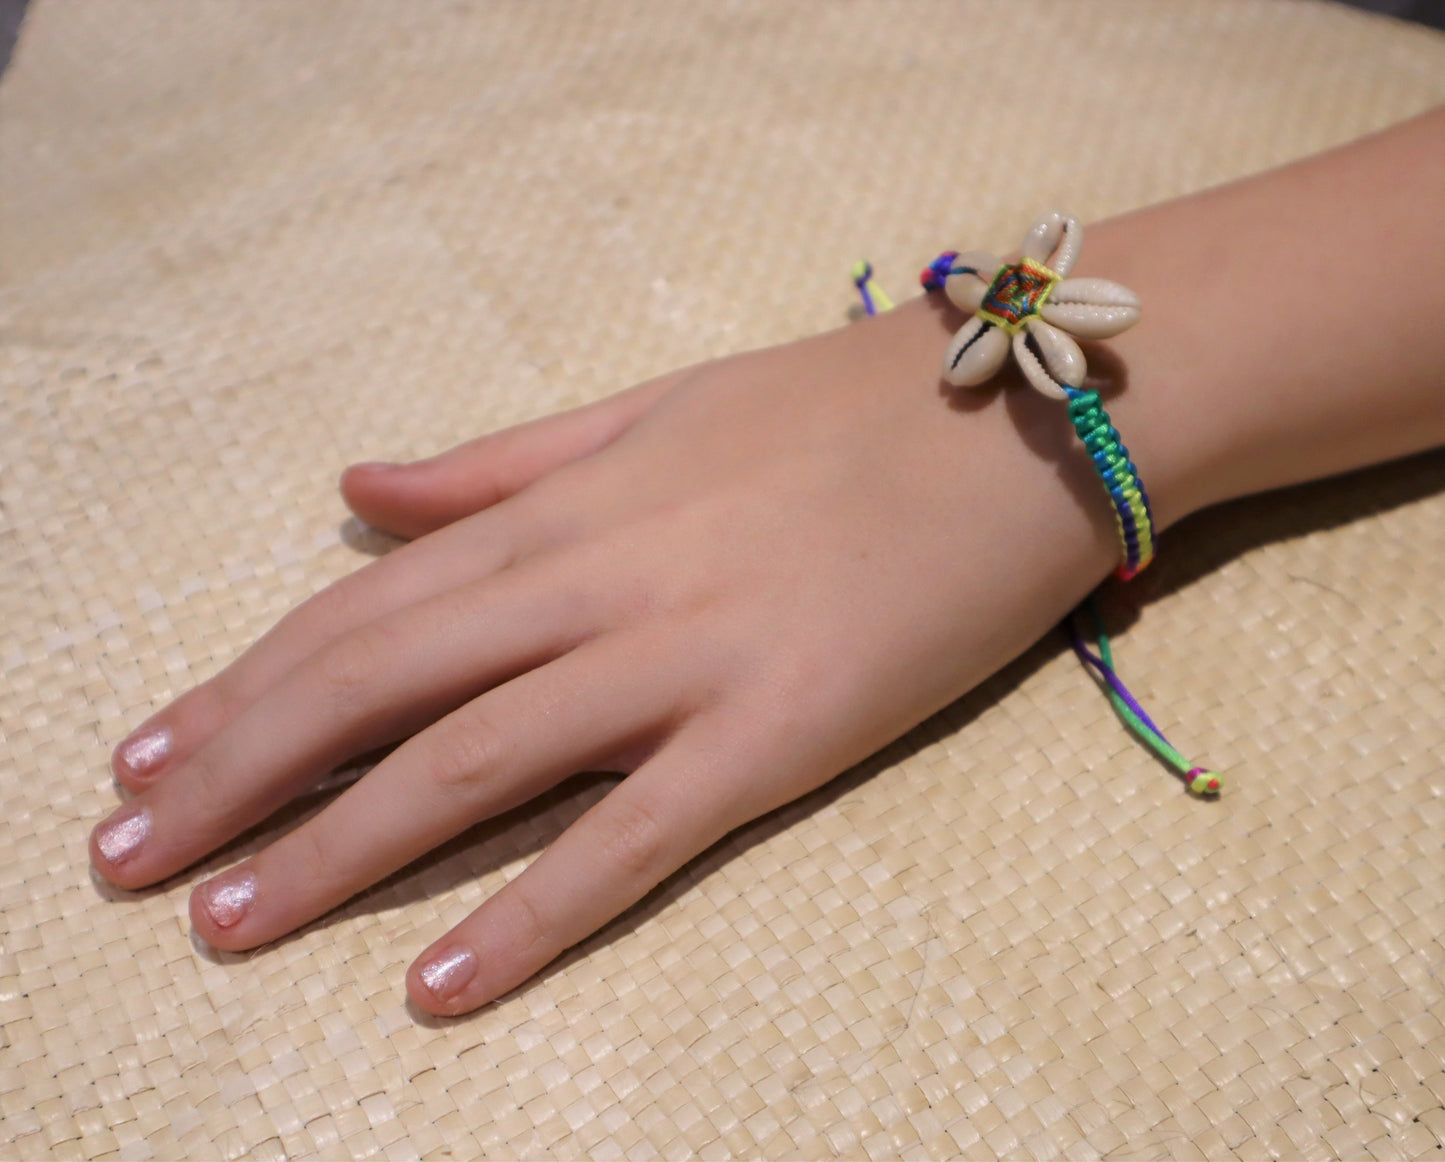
1293	327
1294	322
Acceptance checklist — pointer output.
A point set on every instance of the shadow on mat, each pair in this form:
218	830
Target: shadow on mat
1204	542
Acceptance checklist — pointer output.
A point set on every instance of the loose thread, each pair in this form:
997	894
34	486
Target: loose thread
875	298
1196	778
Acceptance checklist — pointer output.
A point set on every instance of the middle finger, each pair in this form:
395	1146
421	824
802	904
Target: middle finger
470	550
376	684
488	756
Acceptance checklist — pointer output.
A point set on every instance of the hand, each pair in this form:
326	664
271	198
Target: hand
732	583
736	581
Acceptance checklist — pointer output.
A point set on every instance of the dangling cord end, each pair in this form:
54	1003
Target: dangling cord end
875	299
936	273
1199	781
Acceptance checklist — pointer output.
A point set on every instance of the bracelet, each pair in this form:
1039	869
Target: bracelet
1034	309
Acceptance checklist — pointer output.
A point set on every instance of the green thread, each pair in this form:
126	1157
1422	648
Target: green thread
1197	779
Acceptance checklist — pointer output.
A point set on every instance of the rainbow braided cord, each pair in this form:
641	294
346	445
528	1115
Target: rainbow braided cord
1132	514
1197	779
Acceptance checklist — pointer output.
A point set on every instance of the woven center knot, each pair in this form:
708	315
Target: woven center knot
1016	293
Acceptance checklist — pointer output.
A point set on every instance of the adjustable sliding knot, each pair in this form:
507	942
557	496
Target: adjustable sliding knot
936	273
875	299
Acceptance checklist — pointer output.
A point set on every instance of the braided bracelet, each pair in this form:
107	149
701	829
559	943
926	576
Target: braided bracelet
1034	309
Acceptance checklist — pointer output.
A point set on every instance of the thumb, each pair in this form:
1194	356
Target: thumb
412	499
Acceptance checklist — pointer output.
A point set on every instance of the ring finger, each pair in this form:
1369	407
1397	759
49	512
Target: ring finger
488	756
469	550
372	686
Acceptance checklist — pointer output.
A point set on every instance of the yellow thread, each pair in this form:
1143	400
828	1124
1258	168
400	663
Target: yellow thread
1000	322
1048	272
863	277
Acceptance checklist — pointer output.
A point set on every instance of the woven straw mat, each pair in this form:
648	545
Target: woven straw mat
245	243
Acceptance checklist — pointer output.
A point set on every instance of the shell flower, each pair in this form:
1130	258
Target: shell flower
1031	306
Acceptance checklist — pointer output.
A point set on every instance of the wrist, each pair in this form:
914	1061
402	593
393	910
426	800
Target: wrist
1009	450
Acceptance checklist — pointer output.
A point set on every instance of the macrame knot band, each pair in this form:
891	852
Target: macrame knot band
1133	518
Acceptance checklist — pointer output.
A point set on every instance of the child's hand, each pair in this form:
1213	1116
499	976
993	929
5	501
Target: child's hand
734	583
737	581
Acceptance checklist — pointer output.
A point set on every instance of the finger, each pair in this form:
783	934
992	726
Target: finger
672	808
490	755
465	552
412	499
376	684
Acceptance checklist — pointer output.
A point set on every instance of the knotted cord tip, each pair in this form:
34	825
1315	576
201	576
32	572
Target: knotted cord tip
1202	782
937	271
875	299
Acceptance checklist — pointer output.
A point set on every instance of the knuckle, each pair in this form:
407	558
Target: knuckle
337	606
323	615
528	924
215	701
225	697
210	788
465	753
348	669
213	792
634	841
315	861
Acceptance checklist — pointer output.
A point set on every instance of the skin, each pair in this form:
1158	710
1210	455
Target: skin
738	580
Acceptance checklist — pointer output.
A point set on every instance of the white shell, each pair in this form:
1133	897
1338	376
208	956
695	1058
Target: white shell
966	288
976	353
1054	240
1063	362
1092	308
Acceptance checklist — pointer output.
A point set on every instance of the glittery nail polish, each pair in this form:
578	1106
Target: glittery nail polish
143	751
448	974
120	835
229	896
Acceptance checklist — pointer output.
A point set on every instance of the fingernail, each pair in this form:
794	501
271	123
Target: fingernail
144	750
448	974
120	835
229	896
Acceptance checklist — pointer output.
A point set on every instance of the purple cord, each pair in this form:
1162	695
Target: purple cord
1106	671
869	306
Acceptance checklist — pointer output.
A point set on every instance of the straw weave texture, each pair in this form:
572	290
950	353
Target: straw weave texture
245	243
